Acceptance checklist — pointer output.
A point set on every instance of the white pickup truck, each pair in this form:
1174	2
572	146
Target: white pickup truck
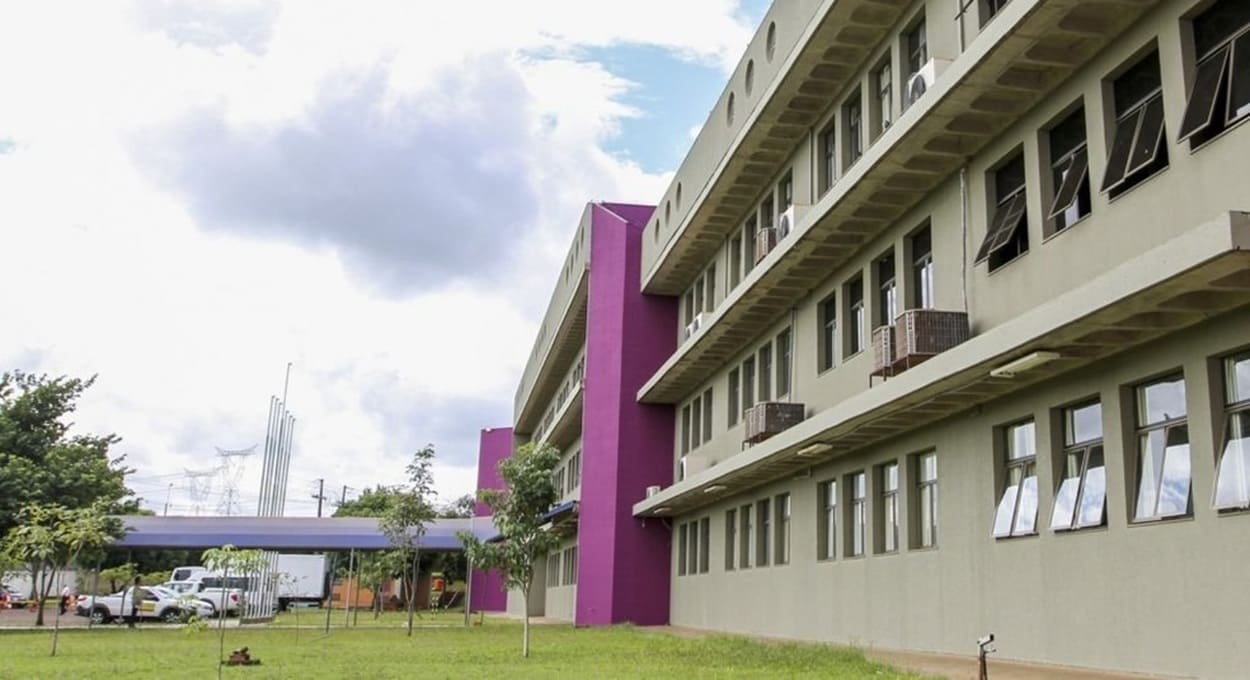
222	598
154	603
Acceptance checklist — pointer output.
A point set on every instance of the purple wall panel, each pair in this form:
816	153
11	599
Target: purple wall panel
623	565
495	444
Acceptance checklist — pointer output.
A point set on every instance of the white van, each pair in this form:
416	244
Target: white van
188	573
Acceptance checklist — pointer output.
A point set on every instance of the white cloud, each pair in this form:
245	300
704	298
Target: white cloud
380	192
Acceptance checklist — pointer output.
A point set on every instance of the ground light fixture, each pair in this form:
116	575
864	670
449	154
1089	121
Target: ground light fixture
1025	363
814	449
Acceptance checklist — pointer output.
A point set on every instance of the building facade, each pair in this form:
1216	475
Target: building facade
962	342
600	340
487	591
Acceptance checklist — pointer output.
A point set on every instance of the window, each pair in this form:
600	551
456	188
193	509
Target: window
828	157
1069	169
828	331
575	470
1082	495
781	508
696	420
785	192
926	500
885	96
570	566
855	305
1162	450
1017	509
705	543
763	525
827	521
887	297
1138	149
991	7
710	278
767	213
749	245
859	513
852	113
1221	92
1232	479
734	408
783	363
916	48
748	383
707	415
685	429
735	262
1008	235
766	368
699	298
889	507
731	536
688	306
693	552
744	538
553	569
922	269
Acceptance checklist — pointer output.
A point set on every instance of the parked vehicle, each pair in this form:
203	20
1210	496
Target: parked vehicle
228	599
154	603
301	579
17	599
188	573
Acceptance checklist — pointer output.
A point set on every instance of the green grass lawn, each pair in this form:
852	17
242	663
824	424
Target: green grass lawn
489	651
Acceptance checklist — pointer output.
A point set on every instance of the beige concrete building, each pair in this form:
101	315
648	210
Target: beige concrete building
985	265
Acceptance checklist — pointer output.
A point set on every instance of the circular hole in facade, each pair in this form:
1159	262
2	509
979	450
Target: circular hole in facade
668	211
749	80
770	42
679	195
729	110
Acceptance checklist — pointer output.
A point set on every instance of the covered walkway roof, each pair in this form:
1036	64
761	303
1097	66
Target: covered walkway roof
287	533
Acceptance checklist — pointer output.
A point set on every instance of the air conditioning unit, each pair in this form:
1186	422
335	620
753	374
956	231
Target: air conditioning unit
923	333
765	241
922	80
770	418
653	490
695	324
785	223
883	353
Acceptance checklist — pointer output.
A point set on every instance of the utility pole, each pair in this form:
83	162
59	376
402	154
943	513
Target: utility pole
321	494
343	496
168	492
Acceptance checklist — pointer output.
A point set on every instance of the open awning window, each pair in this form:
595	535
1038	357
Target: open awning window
1007	219
1074	177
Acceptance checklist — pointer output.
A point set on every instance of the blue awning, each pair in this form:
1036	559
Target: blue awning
288	533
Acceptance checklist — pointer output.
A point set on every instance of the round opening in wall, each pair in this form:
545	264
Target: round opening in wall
679	195
749	79
729	109
668	211
770	41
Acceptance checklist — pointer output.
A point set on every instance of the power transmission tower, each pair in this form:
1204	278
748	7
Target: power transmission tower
199	487
231	467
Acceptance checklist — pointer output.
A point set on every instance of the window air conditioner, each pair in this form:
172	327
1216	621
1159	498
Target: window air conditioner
922	80
695	324
785	223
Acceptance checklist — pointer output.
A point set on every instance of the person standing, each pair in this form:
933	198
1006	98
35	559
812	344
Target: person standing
135	596
64	605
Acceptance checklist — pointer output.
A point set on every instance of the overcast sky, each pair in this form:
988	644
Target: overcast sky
193	194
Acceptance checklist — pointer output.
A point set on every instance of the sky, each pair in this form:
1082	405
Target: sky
195	193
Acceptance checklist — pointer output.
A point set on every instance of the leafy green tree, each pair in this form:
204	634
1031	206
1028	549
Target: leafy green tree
404	523
375	569
461	508
375	502
518	511
41	462
51	537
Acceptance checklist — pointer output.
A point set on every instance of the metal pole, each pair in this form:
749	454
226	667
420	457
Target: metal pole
347	612
285	466
168	492
321	488
330	595
468	580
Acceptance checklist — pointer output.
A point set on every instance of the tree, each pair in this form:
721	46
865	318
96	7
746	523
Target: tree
375	568
518	511
375	502
40	462
461	508
404	523
228	559
51	537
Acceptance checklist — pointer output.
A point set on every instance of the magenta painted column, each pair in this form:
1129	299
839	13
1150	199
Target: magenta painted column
495	444
623	564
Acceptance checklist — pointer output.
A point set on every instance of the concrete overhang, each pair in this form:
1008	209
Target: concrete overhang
1203	273
555	360
568	421
1023	54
